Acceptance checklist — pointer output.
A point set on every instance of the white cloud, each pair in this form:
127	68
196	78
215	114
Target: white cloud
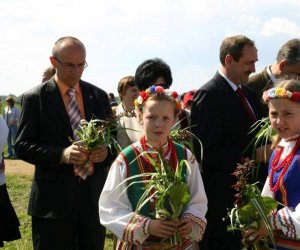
280	26
120	34
191	77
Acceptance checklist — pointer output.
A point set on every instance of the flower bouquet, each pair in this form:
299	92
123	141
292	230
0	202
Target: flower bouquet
250	208
167	187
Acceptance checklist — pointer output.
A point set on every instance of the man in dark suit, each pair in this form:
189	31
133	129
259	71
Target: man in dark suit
63	206
220	119
287	63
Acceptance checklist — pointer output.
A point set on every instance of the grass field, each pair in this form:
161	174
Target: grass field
19	188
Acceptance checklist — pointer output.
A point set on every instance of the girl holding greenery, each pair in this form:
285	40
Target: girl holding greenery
283	182
149	225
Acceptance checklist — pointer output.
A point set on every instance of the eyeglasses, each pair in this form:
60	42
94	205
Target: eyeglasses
71	65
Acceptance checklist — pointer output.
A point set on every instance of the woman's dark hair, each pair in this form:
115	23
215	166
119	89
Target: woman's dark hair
150	70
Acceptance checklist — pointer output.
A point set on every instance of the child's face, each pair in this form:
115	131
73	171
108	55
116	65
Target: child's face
158	117
131	94
285	117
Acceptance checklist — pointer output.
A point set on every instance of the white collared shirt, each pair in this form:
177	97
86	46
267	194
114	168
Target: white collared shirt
273	78
232	84
234	87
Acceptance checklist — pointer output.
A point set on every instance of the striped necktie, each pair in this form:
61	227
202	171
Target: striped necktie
83	171
73	112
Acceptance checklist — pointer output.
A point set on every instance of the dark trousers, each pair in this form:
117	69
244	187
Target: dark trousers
220	197
219	239
81	233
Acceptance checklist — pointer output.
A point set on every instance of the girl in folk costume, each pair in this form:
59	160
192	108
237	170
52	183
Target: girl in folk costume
283	182
157	109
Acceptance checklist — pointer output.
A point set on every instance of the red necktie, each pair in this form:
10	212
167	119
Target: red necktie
250	112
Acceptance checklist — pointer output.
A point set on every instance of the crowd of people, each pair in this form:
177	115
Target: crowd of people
72	203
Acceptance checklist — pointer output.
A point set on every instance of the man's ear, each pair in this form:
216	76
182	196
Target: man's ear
52	61
281	65
228	59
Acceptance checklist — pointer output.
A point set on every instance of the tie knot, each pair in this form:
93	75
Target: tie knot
240	91
71	92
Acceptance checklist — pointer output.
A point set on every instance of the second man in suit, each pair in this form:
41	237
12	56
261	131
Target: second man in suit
222	113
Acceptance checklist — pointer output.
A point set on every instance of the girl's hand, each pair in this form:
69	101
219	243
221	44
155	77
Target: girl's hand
162	228
185	226
252	235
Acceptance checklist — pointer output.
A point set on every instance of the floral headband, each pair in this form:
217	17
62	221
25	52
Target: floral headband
275	93
144	95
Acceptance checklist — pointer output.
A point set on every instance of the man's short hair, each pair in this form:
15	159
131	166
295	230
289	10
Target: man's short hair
58	43
290	52
150	70
234	46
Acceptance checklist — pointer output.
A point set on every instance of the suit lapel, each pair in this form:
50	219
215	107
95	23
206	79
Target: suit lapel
234	98
268	80
87	97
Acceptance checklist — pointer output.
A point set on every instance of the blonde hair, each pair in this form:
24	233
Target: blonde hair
292	86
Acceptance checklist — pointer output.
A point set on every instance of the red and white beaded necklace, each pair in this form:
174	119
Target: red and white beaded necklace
173	160
284	165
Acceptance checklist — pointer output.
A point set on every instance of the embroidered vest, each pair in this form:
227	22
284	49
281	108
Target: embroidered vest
135	166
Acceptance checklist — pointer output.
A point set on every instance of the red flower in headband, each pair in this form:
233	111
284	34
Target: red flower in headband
295	97
144	95
174	94
159	89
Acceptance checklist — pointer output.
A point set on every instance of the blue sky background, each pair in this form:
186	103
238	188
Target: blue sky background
119	35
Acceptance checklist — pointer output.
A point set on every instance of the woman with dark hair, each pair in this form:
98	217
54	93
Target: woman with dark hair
153	72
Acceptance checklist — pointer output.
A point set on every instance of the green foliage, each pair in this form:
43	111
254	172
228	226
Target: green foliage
96	132
251	208
185	136
171	192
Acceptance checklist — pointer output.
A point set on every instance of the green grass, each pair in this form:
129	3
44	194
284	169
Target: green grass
18	187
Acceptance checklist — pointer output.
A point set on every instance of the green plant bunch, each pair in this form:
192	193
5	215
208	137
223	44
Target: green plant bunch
186	137
167	187
262	140
264	134
173	194
96	133
250	208
99	132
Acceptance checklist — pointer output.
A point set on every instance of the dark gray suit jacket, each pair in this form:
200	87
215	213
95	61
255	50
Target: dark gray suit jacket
221	122
43	133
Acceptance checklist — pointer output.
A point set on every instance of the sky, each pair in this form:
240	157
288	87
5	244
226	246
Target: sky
121	34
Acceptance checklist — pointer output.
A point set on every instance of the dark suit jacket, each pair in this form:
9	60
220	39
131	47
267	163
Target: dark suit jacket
259	83
220	121
43	133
